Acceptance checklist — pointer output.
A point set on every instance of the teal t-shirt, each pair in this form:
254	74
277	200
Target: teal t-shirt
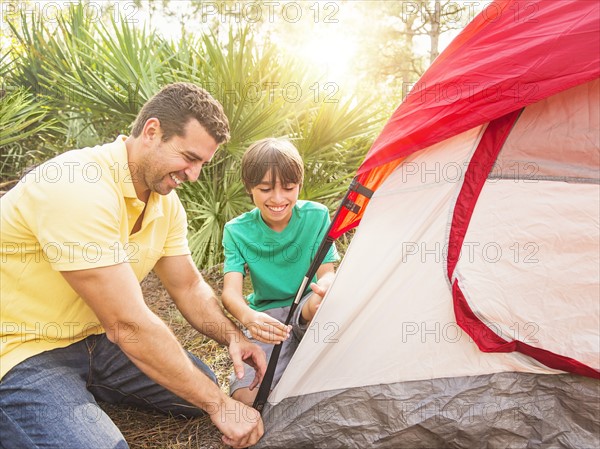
277	261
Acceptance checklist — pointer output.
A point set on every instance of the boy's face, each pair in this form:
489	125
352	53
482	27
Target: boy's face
275	203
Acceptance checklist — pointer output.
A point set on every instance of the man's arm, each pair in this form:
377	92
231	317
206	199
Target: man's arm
115	296
199	306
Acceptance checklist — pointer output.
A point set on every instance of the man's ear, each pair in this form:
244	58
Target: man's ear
152	130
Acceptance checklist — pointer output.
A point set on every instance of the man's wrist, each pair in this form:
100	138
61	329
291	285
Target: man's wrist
213	408
233	335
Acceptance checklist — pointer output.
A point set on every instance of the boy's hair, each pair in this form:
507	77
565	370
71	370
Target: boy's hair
176	104
277	156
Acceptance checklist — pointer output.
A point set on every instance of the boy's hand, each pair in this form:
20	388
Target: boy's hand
314	301
311	305
319	289
322	285
265	328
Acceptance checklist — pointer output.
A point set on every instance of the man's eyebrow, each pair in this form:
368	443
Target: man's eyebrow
193	155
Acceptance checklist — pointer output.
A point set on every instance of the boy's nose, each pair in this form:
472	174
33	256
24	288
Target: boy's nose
278	194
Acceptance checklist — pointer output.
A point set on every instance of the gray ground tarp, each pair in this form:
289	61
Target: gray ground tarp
505	410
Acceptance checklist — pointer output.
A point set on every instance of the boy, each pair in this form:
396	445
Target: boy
277	241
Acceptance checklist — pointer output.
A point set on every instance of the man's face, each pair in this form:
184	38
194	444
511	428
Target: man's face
169	164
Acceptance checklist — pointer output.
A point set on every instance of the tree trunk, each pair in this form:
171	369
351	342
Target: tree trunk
434	32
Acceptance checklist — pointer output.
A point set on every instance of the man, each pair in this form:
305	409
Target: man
78	234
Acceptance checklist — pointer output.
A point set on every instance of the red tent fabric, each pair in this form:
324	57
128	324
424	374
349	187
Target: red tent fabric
515	53
518	86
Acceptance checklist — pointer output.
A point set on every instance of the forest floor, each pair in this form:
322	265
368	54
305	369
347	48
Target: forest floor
149	430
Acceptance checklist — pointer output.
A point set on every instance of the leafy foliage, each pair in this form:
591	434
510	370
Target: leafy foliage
93	79
21	118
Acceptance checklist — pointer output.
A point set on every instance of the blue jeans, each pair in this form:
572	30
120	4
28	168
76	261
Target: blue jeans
49	400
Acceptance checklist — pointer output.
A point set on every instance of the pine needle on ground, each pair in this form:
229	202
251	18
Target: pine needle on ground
151	430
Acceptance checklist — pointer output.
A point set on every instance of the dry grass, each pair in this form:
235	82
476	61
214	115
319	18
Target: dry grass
146	430
150	430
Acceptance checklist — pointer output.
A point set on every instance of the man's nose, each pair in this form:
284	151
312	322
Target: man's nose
193	171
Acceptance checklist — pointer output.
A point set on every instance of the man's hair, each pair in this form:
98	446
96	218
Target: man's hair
176	104
277	156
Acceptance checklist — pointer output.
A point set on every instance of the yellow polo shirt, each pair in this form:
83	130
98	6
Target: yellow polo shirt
74	212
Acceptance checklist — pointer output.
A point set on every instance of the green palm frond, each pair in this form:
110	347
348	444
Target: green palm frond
244	78
6	66
211	202
95	77
333	138
21	117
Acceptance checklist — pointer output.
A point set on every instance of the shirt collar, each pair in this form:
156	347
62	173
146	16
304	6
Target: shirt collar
120	168
123	177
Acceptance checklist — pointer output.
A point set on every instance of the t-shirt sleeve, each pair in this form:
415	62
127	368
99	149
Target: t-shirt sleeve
176	243
234	261
332	254
75	221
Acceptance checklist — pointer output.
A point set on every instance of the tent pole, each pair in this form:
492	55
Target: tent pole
267	382
265	386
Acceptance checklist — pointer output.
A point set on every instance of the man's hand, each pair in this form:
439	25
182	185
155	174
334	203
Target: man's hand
265	328
240	424
242	350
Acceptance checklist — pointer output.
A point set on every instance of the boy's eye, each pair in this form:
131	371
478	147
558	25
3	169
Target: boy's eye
265	190
290	187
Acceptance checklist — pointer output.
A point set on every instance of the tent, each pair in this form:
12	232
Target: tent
466	311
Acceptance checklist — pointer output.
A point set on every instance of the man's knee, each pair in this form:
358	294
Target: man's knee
60	425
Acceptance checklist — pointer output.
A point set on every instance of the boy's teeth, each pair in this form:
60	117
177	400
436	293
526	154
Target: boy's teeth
277	209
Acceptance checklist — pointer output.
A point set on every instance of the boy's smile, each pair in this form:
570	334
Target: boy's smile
275	201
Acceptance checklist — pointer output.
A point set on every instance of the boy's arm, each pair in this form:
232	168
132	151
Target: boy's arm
263	327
